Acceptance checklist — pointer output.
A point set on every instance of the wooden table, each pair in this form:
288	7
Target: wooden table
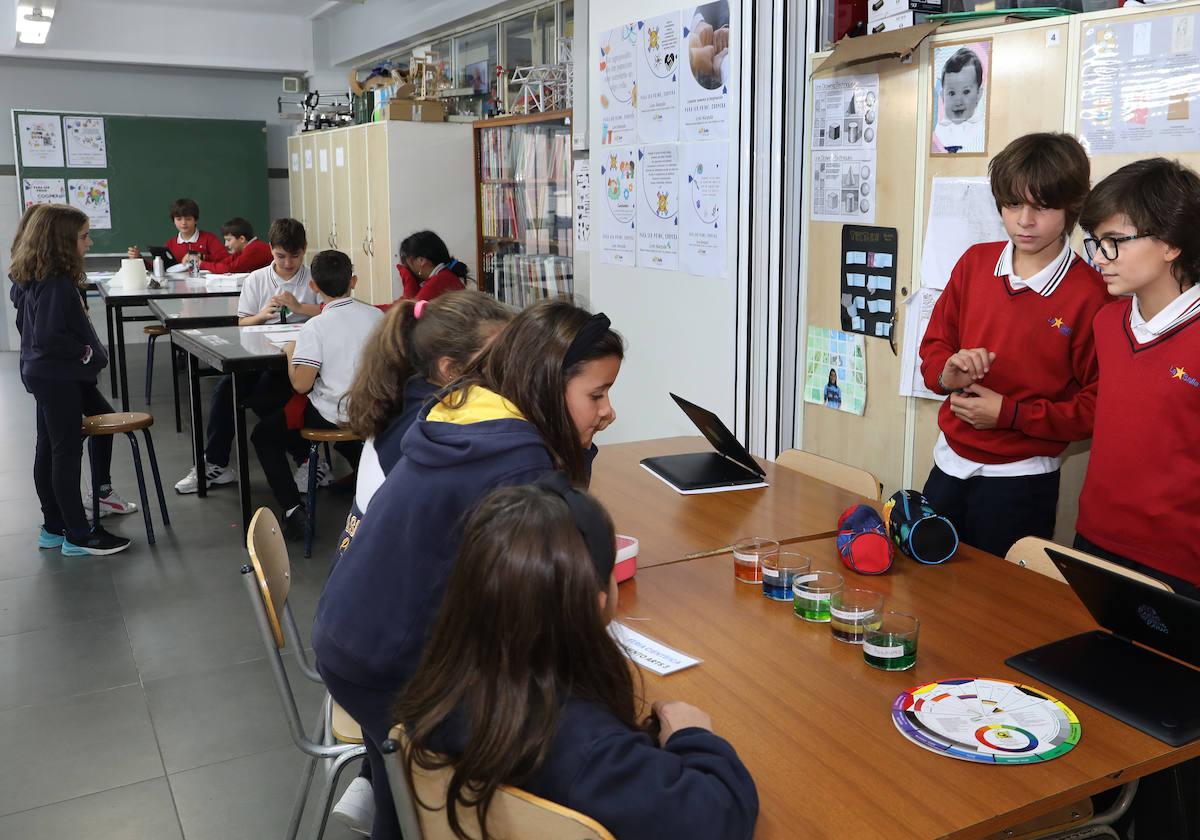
813	722
669	525
233	350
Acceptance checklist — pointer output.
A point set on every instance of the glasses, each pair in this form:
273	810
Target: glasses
1108	245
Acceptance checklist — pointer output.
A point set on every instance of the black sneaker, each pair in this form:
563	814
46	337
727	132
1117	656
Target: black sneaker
98	542
293	523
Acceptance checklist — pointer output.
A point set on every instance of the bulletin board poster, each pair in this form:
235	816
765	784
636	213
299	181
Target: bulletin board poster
869	280
41	139
618	207
582	196
844	186
1138	86
658	79
836	370
709	74
845	112
658	207
617	91
86	146
704	169
961	89
91	196
43	191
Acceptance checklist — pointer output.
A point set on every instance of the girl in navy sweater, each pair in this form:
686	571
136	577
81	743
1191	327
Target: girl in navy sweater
527	605
61	359
426	268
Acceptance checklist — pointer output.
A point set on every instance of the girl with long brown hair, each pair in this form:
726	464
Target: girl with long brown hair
61	360
521	684
530	405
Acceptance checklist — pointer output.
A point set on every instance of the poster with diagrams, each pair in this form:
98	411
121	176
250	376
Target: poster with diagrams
658	207
618	206
1138	89
43	191
658	79
962	213
836	370
868	289
91	196
709	74
86	146
41	139
703	228
616	91
844	186
583	206
844	138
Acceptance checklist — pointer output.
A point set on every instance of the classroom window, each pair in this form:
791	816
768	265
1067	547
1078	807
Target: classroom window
566	13
475	57
529	40
444	52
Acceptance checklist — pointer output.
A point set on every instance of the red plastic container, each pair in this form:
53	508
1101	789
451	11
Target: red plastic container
627	554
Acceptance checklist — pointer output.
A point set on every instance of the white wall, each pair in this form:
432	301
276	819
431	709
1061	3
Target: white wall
681	330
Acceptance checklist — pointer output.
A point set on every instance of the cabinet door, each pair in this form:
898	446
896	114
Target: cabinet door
308	169
379	225
324	215
356	245
340	230
296	177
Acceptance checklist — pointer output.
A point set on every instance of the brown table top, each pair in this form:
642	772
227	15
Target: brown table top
813	722
669	525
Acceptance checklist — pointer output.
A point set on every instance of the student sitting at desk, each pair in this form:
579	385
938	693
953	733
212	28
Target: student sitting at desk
246	251
281	291
191	243
521	684
427	269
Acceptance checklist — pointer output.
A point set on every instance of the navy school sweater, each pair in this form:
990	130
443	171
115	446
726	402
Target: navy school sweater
56	331
418	391
694	787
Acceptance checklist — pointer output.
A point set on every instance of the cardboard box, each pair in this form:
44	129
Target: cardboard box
901	21
416	110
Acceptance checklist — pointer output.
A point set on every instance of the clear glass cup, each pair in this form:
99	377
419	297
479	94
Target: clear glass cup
852	612
811	594
892	646
778	574
748	556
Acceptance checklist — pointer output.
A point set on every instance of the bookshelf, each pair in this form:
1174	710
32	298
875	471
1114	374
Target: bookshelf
523	212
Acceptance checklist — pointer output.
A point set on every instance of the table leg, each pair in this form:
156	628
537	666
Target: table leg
112	360
243	453
123	373
193	374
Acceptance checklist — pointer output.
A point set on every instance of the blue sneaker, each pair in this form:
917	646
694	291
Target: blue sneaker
98	542
49	540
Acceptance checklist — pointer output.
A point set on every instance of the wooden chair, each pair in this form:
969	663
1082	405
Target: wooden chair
315	438
1030	552
127	423
153	333
421	808
336	738
832	472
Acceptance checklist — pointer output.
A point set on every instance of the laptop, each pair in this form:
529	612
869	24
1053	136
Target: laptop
164	252
729	468
1135	683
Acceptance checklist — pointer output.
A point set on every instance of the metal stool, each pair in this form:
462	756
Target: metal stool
152	334
127	423
316	437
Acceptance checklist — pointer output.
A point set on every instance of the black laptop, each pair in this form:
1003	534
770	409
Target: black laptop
1105	669
164	252
730	467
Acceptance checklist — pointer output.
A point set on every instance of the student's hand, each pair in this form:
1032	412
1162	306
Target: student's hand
134	252
674	715
287	299
978	406
966	367
269	310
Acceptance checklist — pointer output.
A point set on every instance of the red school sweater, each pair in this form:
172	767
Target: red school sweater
209	246
1142	491
255	255
434	286
1045	356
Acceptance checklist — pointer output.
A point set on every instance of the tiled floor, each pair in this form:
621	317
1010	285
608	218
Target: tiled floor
135	699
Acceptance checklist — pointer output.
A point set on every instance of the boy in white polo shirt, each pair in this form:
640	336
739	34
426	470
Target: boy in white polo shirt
322	363
279	291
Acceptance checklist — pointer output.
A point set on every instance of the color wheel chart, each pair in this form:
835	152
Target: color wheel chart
986	720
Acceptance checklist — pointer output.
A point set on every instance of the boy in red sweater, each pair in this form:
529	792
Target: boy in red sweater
1010	341
1142	492
246	251
191	243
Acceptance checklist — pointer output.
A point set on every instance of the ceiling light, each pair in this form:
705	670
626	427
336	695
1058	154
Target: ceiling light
33	21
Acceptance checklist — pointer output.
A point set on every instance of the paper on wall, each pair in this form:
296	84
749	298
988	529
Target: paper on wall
618	206
704	188
91	196
616	94
962	213
708	71
658	79
86	146
844	186
649	653
845	112
43	191
323	160
583	205
295	161
918	309
41	139
658	207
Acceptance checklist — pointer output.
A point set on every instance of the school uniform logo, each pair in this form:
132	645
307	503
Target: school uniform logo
1180	373
1059	325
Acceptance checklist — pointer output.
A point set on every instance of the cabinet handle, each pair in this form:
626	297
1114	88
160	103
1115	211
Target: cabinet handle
371	246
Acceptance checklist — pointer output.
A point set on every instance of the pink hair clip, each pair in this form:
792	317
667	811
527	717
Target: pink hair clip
419	308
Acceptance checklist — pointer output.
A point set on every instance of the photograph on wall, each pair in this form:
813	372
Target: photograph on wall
836	370
869	256
616	92
710	72
41	139
658	207
43	191
658	79
961	78
91	196
618	207
86	146
843	187
845	112
705	185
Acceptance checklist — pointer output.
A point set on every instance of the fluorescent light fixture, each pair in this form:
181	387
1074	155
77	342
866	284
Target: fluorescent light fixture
33	20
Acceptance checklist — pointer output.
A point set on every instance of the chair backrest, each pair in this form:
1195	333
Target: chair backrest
832	472
1030	552
514	814
269	557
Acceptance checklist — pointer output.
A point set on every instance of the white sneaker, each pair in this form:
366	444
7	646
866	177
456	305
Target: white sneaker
110	503
356	808
215	476
324	478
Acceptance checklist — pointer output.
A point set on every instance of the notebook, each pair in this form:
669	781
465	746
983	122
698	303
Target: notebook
729	468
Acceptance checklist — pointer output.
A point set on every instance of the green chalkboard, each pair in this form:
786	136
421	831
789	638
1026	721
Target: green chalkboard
221	164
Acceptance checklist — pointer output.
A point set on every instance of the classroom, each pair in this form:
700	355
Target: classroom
484	418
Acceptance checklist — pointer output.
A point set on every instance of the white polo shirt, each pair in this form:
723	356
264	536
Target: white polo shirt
1186	306
333	343
263	284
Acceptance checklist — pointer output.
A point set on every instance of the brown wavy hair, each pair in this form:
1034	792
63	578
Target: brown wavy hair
455	325
1051	169
525	366
47	245
520	632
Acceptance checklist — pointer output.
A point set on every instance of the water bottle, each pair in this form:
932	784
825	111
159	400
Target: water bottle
195	267
159	270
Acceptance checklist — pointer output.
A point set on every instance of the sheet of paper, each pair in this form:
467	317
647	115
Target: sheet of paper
43	191
845	112
91	196
917	311
649	653
844	186
618	206
322	160
41	139
704	189
583	206
273	329
86	146
295	161
616	90
658	79
962	213
708	71
658	207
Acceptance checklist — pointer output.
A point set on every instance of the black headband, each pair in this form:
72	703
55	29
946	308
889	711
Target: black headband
589	519
586	339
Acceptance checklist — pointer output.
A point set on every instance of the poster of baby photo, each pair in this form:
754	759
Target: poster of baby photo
961	76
